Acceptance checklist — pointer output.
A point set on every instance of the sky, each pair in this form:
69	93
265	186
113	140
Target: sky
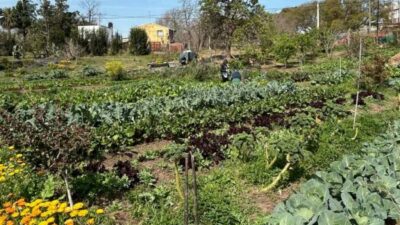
129	13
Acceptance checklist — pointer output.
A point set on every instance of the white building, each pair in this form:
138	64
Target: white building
83	30
395	12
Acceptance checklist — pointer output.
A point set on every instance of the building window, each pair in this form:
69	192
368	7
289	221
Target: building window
160	33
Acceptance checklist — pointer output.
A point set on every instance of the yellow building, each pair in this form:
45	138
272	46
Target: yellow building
159	36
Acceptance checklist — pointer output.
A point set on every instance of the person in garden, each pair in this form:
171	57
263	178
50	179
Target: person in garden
225	70
236	77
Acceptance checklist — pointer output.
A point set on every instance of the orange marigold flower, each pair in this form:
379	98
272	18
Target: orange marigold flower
7	204
10	210
10	222
26	220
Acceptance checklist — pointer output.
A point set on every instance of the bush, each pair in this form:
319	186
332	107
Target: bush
116	44
89	71
115	70
374	73
58	74
205	72
138	42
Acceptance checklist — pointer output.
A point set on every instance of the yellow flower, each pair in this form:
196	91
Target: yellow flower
90	222
74	213
69	222
44	223
78	206
100	211
2	179
68	209
83	213
14	215
33	222
11	148
25	212
50	220
19	156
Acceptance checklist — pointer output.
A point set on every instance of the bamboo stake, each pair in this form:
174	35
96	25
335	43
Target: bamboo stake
178	182
71	203
358	86
195	206
186	219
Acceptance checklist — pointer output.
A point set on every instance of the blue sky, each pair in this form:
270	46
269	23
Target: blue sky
147	10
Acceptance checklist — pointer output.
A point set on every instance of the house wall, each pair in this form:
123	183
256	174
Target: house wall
157	33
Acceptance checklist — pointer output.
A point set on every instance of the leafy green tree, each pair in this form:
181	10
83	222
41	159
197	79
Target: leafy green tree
46	11
7	42
284	48
138	42
8	20
306	43
116	44
98	42
225	17
35	41
24	15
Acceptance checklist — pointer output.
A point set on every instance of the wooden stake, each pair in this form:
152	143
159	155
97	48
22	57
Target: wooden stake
358	86
186	219
195	206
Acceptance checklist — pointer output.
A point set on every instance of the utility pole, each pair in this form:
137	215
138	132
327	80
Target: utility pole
377	21
318	14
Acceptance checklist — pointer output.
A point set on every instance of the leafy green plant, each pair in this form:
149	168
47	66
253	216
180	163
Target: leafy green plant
58	74
115	70
89	71
360	189
283	145
147	178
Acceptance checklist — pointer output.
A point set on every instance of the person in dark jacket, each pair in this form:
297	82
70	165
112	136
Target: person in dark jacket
225	71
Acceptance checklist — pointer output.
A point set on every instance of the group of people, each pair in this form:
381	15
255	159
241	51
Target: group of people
227	75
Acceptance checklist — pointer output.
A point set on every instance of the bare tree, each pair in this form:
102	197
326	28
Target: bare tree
91	8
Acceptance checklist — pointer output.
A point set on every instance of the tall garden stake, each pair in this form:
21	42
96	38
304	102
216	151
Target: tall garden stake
186	219
358	91
195	203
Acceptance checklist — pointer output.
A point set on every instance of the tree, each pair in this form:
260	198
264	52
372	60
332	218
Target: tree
305	43
35	41
47	12
24	16
225	17
8	19
284	48
138	42
116	44
98	42
91	8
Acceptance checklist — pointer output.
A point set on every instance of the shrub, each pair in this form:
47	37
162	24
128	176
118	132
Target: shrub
138	42
115	70
89	71
205	72
58	74
374	73
116	44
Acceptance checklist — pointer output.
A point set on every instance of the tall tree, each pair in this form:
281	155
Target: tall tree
8	19
24	15
225	16
47	12
91	8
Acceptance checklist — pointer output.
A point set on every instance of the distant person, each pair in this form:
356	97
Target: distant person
236	77
225	71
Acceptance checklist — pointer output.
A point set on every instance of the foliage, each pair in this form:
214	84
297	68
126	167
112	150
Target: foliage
357	188
138	42
284	48
98	42
58	74
373	73
96	186
89	71
116	44
67	151
115	70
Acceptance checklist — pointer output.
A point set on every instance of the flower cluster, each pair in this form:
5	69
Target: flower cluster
14	166
42	212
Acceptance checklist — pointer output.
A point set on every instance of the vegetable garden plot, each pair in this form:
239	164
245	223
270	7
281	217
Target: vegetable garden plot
360	190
